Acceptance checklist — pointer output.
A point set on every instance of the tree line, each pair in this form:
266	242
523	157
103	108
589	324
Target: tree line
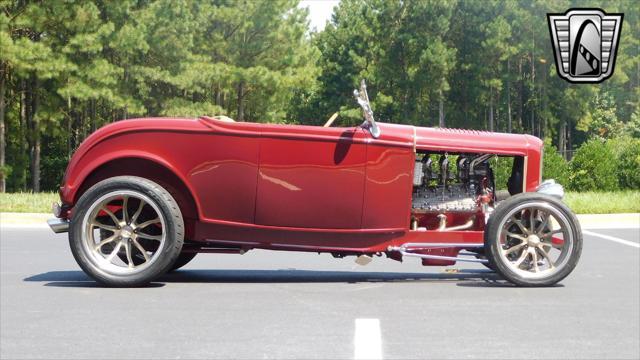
69	67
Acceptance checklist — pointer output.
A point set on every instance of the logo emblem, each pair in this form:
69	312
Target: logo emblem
585	42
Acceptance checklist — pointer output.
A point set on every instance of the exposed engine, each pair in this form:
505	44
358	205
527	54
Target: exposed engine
438	189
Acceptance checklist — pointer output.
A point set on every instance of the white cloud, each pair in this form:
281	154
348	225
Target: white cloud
319	11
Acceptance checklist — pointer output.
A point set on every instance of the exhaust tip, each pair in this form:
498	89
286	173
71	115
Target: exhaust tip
58	225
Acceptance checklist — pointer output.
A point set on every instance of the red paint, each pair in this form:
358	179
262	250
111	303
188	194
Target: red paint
311	182
293	187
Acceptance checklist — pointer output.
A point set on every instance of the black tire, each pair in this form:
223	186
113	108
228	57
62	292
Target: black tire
488	265
163	259
493	246
182	260
481	255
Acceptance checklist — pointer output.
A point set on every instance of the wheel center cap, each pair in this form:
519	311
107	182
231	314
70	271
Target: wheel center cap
533	240
126	232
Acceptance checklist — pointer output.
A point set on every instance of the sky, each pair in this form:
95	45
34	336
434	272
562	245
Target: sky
319	11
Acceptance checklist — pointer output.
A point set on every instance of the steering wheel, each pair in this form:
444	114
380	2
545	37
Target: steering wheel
331	119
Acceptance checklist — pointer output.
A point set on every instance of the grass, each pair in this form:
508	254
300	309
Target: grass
609	202
28	202
581	203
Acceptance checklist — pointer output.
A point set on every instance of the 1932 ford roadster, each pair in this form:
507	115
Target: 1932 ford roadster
142	197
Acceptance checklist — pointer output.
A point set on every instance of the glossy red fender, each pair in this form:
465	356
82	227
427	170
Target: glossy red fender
291	186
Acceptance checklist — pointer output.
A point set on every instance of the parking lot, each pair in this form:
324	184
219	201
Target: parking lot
304	305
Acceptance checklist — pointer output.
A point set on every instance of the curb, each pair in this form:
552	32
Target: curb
587	221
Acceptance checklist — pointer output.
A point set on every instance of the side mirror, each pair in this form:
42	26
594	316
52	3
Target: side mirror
363	100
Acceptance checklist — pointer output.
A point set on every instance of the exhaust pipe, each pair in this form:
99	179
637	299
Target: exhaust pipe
443	224
58	225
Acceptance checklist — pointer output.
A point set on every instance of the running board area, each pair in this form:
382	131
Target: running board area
409	248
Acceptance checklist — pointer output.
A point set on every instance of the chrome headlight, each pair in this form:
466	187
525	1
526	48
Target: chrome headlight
551	187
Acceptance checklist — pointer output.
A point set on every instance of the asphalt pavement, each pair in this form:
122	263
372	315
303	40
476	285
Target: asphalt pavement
307	306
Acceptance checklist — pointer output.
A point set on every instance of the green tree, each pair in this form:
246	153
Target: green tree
594	167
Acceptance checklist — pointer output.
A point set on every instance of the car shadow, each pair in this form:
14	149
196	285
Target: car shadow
465	277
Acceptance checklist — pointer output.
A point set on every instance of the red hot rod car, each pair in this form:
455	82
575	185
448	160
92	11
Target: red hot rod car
142	197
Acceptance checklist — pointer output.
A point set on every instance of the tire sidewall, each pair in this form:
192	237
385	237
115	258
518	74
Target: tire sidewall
173	222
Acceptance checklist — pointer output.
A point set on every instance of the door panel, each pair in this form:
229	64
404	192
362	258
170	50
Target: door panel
311	177
223	175
388	187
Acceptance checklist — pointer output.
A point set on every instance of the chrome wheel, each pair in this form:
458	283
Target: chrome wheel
123	232
536	240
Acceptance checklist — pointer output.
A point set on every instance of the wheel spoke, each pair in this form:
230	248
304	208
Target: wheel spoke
515	236
514	248
142	250
544	223
532	221
147	223
546	256
149	236
114	252
551	245
107	240
534	255
522	257
137	213
552	232
125	211
520	225
103	226
112	215
127	248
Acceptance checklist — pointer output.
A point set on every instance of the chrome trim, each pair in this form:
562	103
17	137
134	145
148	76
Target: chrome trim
434	245
58	225
479	159
440	257
363	100
405	250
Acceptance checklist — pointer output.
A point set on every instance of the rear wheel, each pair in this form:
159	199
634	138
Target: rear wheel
533	239
182	260
138	258
126	231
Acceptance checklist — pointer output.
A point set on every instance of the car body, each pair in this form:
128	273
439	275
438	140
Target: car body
242	186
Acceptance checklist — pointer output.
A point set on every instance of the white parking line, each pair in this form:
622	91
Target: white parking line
611	238
367	340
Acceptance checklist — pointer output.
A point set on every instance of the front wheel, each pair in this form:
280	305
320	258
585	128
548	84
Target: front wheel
126	231
533	239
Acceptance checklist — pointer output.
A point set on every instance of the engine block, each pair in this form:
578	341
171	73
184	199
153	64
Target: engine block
437	189
454	197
